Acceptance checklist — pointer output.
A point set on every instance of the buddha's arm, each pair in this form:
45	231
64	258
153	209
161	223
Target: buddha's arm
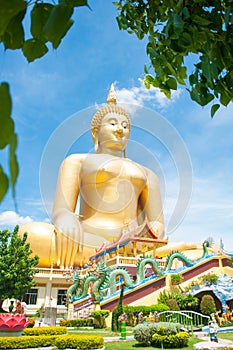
67	227
68	185
152	204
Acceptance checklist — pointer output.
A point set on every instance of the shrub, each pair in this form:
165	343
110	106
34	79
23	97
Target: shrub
31	322
100	316
189	302
78	322
176	278
172	293
74	341
26	342
68	341
133	311
207	305
178	340
143	332
37	331
210	279
173	305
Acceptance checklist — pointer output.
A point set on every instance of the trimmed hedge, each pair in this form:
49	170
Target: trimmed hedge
74	341
53	330
178	341
27	342
143	332
78	322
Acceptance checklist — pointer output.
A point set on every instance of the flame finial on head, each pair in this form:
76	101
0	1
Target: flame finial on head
110	107
111	95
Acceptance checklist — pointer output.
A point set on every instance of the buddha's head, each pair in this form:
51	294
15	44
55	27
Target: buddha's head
111	125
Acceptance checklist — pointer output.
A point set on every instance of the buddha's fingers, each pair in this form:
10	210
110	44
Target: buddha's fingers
73	253
58	245
69	252
64	245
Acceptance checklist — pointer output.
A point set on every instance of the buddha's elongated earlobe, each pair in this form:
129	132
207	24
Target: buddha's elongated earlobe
125	155
96	144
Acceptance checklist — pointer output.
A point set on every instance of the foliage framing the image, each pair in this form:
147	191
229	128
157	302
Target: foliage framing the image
49	23
176	29
16	265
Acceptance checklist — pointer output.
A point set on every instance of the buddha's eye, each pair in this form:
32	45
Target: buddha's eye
112	122
125	125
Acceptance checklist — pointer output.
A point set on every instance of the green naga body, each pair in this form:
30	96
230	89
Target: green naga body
102	281
180	256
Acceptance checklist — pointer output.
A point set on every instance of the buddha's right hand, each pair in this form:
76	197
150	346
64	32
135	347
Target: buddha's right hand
69	237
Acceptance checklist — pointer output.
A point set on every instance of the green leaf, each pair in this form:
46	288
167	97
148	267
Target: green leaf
195	95
225	98
201	20
182	72
13	164
75	3
185	39
5	100
178	22
58	24
7	124
13	37
8	10
214	71
34	48
39	16
205	66
4	184
172	83
214	109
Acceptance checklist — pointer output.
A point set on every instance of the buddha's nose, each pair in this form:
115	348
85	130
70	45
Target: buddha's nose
119	131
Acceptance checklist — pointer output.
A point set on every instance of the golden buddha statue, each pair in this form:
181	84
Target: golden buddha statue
117	196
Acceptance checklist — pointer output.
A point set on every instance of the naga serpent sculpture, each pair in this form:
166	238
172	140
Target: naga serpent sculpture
180	256
102	281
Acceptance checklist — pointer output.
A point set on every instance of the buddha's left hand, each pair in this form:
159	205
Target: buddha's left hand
157	228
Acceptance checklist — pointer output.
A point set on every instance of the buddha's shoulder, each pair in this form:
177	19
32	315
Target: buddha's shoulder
150	173
76	158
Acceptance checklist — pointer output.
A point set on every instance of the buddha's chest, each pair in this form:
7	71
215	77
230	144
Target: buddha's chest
108	171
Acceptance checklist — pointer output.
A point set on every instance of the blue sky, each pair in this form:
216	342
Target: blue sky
67	85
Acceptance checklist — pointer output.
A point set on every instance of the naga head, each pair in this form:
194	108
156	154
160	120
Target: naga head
102	269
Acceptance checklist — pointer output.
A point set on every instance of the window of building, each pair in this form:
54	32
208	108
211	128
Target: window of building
61	297
31	296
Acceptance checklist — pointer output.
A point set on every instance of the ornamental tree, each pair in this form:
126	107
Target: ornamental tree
17	266
207	305
177	29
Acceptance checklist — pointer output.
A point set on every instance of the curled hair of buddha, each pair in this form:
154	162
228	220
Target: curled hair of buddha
110	107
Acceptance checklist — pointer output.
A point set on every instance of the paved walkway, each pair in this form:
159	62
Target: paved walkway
206	344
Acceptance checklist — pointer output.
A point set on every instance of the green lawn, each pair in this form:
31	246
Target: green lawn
120	344
129	345
103	332
228	336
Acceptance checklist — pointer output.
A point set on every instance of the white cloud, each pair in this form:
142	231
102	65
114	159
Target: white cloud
9	219
141	95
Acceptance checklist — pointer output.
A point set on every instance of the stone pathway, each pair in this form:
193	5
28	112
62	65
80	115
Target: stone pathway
209	345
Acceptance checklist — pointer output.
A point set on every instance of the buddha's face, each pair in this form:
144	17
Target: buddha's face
114	132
